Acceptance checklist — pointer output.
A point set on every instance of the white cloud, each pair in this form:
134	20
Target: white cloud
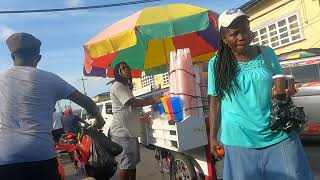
73	3
5	32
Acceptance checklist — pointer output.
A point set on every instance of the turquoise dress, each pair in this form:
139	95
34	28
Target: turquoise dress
246	113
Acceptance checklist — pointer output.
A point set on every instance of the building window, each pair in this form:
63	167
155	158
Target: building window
147	81
100	108
285	31
165	78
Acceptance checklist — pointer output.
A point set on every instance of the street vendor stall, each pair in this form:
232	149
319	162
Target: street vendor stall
179	39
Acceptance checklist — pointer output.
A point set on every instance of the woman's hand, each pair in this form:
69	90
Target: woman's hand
289	92
216	149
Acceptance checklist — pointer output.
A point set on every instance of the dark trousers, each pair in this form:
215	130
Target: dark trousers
37	170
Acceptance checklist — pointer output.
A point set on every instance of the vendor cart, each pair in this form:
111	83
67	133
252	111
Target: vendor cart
181	147
144	41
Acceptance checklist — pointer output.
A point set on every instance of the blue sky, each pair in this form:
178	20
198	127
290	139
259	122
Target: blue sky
64	33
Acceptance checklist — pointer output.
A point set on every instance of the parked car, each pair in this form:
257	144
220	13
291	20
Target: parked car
307	75
308	97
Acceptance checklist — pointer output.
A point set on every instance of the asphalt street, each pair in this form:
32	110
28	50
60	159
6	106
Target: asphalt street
148	169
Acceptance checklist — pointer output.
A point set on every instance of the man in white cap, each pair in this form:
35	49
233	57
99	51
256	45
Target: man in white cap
28	96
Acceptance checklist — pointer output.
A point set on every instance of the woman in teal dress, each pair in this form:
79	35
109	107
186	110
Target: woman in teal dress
239	86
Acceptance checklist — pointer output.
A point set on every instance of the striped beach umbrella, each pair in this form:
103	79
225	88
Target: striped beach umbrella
299	54
144	40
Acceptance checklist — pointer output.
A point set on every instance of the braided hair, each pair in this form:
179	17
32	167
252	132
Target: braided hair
121	79
226	68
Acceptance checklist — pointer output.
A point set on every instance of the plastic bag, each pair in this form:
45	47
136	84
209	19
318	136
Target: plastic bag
103	150
285	116
101	163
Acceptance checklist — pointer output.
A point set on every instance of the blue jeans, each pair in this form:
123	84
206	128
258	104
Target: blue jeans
285	160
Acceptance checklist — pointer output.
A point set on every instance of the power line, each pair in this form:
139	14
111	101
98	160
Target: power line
78	8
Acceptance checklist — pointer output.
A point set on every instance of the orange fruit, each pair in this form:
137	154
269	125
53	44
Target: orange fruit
220	151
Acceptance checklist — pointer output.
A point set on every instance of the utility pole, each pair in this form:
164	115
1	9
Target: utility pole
83	86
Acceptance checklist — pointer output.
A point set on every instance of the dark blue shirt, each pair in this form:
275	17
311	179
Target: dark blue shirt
71	124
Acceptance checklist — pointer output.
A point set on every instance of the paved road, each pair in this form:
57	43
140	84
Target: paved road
148	168
312	149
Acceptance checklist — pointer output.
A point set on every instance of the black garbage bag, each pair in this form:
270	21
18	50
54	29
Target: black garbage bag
103	146
285	116
102	164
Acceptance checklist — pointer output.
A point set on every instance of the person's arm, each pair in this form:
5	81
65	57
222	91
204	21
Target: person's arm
277	69
214	123
89	105
143	102
214	109
126	97
82	121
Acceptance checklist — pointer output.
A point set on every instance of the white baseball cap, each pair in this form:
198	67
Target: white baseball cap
228	16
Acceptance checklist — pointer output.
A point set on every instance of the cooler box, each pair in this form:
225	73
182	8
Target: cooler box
181	136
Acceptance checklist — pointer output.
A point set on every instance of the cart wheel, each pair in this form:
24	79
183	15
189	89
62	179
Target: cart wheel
182	168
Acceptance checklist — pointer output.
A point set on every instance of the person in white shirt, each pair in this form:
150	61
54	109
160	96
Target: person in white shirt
28	96
124	128
57	126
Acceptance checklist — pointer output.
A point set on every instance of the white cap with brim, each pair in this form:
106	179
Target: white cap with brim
228	16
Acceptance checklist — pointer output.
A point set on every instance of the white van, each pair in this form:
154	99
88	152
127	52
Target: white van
105	108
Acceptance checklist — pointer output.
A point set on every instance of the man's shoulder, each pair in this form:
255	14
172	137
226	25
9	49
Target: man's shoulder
28	70
25	71
49	75
46	72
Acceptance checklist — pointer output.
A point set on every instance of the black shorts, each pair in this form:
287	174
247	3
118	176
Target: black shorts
37	170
